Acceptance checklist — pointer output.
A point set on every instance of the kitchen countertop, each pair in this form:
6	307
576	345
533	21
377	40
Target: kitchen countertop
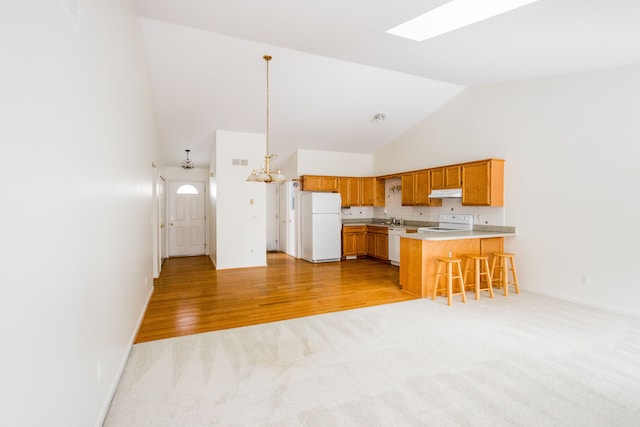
378	224
456	235
479	232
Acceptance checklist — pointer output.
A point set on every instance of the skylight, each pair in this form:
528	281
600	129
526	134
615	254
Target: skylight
453	15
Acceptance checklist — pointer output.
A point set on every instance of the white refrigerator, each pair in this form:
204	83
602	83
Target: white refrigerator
321	226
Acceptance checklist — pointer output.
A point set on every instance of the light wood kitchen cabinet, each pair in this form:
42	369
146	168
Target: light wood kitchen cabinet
378	242
349	189
361	191
408	189
419	260
354	241
492	245
446	177
483	183
353	192
343	189
416	186
372	192
319	183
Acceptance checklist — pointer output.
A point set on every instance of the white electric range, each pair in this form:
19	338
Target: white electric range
451	222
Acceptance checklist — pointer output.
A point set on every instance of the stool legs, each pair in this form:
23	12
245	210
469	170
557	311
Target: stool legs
450	276
480	262
505	263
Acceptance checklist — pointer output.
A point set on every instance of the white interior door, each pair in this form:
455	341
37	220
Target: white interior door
162	221
187	219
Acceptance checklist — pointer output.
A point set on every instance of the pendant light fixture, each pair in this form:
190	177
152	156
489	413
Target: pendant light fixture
265	174
186	163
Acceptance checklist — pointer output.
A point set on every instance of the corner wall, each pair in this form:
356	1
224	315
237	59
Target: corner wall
571	148
79	137
240	206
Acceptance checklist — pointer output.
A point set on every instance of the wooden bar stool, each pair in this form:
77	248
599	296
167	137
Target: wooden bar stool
448	264
479	266
505	263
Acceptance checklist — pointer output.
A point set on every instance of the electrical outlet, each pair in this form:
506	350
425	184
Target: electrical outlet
145	281
98	371
585	279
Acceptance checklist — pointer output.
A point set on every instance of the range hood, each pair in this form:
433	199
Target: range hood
446	193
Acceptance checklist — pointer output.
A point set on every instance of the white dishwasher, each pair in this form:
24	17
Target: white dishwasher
394	244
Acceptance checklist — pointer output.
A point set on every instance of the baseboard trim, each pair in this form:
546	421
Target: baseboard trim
123	362
604	307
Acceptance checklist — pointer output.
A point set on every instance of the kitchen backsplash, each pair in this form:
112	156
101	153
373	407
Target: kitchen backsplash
482	215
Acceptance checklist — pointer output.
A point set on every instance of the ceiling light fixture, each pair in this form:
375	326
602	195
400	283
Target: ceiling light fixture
265	174
452	16
379	117
186	163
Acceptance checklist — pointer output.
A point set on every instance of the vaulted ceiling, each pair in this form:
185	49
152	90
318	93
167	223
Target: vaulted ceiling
334	67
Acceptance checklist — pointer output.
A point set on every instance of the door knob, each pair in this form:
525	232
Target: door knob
171	224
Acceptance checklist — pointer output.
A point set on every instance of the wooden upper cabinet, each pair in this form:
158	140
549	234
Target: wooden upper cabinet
367	191
372	192
483	183
343	189
349	189
353	191
319	183
446	177
416	186
361	191
422	189
408	189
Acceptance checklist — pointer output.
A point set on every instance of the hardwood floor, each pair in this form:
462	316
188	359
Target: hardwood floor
191	297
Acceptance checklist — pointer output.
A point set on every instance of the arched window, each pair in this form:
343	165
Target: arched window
187	189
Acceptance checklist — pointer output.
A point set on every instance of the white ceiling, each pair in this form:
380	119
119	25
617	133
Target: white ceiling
334	66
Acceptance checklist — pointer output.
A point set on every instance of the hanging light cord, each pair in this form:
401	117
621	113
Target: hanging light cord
267	58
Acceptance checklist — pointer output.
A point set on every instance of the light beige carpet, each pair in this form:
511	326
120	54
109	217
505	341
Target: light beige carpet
522	360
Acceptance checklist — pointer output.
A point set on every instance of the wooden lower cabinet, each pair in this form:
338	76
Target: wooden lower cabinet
378	242
354	240
359	240
419	259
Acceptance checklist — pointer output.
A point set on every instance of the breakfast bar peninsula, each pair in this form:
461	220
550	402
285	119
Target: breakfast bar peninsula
419	253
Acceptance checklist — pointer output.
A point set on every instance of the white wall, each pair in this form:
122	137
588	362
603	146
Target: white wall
78	142
314	162
240	214
571	148
178	174
213	206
